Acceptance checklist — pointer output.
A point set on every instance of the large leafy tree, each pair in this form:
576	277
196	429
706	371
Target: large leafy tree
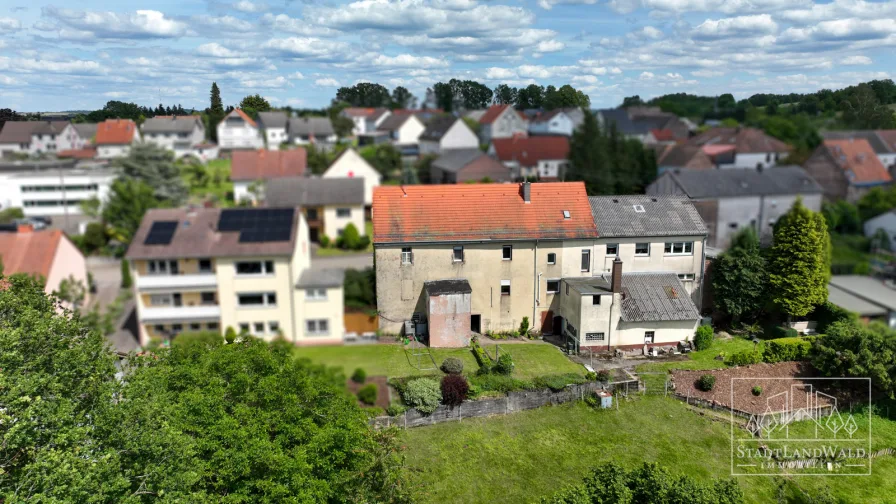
876	201
364	94
505	95
800	264
739	277
383	157
530	97
461	95
8	115
402	99
864	110
566	96
853	350
129	199
253	104
155	166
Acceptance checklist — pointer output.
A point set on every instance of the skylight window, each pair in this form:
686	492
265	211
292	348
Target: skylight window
566	214
638	208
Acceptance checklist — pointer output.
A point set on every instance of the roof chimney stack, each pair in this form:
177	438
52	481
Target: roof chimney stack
526	191
616	277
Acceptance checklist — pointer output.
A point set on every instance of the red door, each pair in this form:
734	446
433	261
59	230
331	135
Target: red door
547	322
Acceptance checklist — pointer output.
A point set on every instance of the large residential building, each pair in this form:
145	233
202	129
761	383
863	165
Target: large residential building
183	135
883	142
649	125
456	260
350	164
246	268
545	157
745	147
16	136
47	254
329	204
252	170
114	138
39	137
239	131
445	133
847	169
456	166
501	121
730	200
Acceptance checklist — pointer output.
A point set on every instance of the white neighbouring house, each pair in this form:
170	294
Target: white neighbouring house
447	132
350	164
557	122
751	147
183	135
239	131
114	138
545	157
365	120
404	130
885	222
274	126
37	137
501	121
260	167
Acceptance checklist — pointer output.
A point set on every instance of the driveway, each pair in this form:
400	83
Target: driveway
353	261
106	273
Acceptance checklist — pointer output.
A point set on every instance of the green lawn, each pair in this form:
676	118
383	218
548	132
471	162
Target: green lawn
527	455
531	359
705	359
333	251
210	181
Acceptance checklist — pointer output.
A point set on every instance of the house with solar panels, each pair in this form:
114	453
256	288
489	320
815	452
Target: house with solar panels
207	269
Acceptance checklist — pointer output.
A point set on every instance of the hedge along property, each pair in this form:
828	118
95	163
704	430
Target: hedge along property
514	251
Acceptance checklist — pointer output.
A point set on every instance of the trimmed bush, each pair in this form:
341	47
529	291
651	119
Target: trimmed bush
558	382
126	280
423	394
786	349
743	358
524	326
498	383
396	409
454	389
452	365
591	376
351	238
367	394
95	236
359	376
484	361
603	375
757	390
504	365
828	313
706	382
324	241
703	338
230	335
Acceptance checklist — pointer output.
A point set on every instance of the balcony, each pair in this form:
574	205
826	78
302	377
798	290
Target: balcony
180	313
177	282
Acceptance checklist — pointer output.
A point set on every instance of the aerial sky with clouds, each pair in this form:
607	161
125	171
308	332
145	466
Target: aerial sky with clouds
78	55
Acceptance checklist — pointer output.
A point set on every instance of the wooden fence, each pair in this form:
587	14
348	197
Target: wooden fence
361	323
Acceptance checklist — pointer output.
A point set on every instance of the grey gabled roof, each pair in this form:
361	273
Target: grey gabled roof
624	123
662	216
85	130
301	191
275	119
655	297
868	288
49	127
171	124
437	127
877	143
323	277
17	131
452	160
394	122
734	182
307	126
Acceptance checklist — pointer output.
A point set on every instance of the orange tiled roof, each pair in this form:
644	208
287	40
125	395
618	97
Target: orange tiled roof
244	116
357	111
747	140
858	160
492	113
264	164
440	213
115	131
85	153
29	252
663	135
528	151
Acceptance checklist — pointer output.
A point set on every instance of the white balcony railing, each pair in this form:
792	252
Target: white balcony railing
155	282
180	313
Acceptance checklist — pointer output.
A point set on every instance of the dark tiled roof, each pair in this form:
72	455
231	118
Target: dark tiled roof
437	127
50	127
301	191
324	277
274	119
393	122
734	182
86	130
171	124
307	126
452	160
746	140
661	216
655	297
624	124
17	131
442	287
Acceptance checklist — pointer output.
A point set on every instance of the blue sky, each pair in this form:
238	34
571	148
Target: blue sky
295	52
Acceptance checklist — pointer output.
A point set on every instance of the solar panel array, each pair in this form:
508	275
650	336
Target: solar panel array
258	225
160	233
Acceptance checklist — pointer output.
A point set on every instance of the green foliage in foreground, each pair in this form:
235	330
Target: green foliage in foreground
199	422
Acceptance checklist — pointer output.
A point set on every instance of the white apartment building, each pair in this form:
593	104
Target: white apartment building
51	188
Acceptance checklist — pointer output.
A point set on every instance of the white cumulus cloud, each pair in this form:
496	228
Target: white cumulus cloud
327	82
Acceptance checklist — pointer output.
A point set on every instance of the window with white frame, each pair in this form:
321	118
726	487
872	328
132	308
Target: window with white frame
507	252
258	328
679	248
257	299
273	327
552	258
255	268
553	286
594	336
612	249
505	287
244	328
648	336
458	254
316	294
317	327
162	267
160	300
586	260
686	277
343	213
642	249
407	255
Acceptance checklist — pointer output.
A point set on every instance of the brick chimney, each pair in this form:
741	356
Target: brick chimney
526	191
616	276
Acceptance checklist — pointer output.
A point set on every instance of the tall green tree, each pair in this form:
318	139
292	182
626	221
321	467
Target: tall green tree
530	97
800	264
214	113
459	94
588	157
129	199
740	278
364	94
402	99
505	95
383	157
216	105
155	166
631	101
253	104
566	96
863	110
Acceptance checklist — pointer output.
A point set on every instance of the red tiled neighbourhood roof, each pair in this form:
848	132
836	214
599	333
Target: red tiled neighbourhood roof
264	164
29	252
528	151
858	160
746	140
663	135
494	112
357	111
242	114
440	213
115	131
85	153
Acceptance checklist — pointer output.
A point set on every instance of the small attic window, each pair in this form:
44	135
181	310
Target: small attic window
638	208
615	200
566	214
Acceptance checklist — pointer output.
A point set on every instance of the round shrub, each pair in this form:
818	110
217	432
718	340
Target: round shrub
706	382
367	394
324	241
703	338
452	365
603	375
504	365
454	389
757	390
395	409
424	394
591	376
742	358
359	376
230	335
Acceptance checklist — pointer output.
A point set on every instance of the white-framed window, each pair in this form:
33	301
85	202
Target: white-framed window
317	327
162	267
407	255
160	300
244	327
686	277
552	258
586	260
458	254
612	249
256	299
343	212
594	336
642	249
258	328
553	286
648	337
679	248
505	287
255	268
273	326
507	252
316	294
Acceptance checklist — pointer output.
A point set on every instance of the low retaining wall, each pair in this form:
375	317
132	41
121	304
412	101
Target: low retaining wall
823	411
512	402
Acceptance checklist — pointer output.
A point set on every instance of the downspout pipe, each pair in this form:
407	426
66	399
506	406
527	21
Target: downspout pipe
535	279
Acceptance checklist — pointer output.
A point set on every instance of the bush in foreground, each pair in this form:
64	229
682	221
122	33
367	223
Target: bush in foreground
423	394
706	382
703	338
452	365
454	389
359	376
743	358
367	394
504	365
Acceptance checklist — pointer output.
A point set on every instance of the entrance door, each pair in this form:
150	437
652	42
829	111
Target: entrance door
313	235
547	322
476	323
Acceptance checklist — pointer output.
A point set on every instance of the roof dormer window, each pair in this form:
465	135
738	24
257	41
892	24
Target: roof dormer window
566	214
638	208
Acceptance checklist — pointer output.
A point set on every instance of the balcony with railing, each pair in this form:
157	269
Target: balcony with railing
175	281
